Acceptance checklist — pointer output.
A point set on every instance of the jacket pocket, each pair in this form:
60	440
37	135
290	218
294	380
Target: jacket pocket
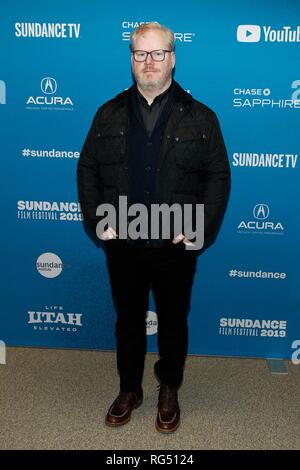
190	152
111	146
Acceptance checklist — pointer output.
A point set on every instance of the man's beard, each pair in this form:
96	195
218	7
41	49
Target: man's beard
153	84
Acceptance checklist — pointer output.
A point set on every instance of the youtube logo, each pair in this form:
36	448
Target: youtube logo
248	33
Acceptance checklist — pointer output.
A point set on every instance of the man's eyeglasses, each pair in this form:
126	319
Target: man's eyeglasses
157	56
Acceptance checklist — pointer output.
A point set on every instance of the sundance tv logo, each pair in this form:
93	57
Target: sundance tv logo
47	30
265	160
255	33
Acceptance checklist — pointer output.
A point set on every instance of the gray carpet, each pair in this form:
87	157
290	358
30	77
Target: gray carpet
57	399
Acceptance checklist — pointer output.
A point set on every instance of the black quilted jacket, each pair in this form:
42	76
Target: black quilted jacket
192	168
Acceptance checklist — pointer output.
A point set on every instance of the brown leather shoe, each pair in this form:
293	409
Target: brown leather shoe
120	411
168	416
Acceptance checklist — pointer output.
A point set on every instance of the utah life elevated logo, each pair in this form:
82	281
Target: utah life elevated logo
260	223
54	318
50	100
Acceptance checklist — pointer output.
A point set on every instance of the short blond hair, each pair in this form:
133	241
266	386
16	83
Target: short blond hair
153	26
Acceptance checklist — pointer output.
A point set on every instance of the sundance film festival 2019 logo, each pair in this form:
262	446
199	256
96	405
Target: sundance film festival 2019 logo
260	223
252	33
53	319
250	327
253	98
129	26
50	100
49	210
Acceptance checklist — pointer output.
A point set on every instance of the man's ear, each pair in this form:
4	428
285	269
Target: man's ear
173	59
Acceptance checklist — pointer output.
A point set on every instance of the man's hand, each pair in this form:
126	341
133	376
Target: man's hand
181	238
109	234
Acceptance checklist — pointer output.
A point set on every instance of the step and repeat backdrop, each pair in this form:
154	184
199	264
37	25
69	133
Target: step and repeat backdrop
59	62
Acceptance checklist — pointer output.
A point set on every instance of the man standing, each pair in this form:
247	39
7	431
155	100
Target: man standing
154	144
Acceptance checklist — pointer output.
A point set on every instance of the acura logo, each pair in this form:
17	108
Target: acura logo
261	211
48	86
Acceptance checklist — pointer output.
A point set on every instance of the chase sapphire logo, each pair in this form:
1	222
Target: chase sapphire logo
48	85
261	211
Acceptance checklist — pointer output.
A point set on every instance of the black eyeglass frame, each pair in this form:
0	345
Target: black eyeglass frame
150	52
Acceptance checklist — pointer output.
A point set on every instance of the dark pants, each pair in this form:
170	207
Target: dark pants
169	271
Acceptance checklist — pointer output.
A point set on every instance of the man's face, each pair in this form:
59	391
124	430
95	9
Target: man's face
151	75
